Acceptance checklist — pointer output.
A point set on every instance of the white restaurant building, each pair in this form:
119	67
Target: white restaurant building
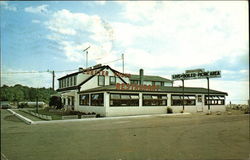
107	92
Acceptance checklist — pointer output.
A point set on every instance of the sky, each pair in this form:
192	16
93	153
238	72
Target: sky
161	37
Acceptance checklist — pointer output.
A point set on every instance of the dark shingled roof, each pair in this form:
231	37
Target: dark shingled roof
162	89
149	78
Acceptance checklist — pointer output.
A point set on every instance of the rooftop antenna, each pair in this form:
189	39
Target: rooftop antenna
86	49
123	62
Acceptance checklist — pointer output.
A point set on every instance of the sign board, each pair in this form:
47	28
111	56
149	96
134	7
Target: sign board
122	86
197	75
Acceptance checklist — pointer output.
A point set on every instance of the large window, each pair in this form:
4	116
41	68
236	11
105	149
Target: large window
112	80
84	99
215	100
124	99
154	100
97	99
177	100
101	80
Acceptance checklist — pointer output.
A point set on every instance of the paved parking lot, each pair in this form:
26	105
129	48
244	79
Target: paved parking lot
149	138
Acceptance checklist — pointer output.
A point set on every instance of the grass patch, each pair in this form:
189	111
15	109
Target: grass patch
29	116
54	115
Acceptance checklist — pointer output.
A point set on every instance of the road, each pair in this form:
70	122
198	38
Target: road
152	138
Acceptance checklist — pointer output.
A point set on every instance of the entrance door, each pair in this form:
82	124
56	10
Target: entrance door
199	104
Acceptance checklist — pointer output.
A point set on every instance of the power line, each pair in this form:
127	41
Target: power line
48	71
113	61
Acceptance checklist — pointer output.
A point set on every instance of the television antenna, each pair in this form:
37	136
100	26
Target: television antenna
86	50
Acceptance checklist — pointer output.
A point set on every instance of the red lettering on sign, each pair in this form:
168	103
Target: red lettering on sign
118	86
123	86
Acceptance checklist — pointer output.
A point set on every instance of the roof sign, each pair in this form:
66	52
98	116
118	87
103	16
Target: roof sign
197	75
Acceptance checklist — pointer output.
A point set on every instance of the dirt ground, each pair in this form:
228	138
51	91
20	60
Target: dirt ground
195	136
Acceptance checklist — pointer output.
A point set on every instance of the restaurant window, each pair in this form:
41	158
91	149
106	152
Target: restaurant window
124	99
112	80
84	99
177	100
97	99
154	100
101	80
215	100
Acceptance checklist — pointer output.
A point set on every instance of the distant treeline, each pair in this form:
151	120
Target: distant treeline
20	93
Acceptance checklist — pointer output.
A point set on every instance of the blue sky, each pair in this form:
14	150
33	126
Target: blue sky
163	38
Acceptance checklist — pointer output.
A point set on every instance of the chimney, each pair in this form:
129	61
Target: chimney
141	76
80	69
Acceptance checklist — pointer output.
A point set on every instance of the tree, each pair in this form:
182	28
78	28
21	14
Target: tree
56	101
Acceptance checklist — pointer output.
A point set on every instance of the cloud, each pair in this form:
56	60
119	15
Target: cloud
183	34
70	31
6	6
38	9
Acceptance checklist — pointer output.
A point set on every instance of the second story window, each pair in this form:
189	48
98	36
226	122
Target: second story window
112	80
158	83
101	80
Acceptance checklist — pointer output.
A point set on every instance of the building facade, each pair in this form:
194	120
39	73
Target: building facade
107	92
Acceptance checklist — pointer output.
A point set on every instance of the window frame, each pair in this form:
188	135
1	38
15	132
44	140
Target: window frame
98	79
87	99
187	101
102	99
111	78
215	99
156	100
131	102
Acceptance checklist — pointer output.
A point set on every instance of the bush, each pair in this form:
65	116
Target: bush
56	101
23	105
169	110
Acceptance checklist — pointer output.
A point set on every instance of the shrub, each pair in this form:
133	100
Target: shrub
169	110
56	101
22	105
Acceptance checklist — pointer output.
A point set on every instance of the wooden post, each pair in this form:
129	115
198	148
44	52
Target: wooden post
208	104
183	95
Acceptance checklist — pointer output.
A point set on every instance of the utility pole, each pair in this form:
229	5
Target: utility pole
86	49
123	62
208	101
53	80
183	95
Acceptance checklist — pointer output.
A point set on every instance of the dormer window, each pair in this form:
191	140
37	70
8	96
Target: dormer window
101	80
112	80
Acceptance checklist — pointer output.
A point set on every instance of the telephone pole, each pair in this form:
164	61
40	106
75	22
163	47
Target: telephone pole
123	62
53	80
